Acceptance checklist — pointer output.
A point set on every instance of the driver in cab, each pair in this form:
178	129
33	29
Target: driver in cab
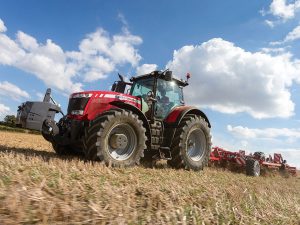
162	102
164	99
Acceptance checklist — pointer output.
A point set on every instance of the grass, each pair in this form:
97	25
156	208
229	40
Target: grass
16	129
38	187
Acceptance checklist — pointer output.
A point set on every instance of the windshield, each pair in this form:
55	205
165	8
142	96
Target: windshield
170	90
168	95
142	87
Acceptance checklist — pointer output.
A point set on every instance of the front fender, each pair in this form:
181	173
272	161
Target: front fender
137	111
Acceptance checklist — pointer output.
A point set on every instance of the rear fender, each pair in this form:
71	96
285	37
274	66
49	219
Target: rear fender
175	117
177	114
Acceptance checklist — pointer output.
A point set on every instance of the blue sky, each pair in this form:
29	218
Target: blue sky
243	56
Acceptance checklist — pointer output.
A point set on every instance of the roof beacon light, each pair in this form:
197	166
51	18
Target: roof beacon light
188	76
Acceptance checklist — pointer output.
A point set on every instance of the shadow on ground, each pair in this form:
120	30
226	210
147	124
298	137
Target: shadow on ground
45	155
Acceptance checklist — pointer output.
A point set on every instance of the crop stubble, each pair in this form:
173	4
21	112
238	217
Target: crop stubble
38	187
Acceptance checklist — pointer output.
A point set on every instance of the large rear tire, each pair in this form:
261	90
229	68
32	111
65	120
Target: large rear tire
191	145
252	167
117	138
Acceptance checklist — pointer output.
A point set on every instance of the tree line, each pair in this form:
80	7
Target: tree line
9	120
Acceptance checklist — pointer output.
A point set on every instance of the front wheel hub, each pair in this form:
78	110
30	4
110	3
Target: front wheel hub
122	141
118	141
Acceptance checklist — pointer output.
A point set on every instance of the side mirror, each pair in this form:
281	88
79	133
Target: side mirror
168	75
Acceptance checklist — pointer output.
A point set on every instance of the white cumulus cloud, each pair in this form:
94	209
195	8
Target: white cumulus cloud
99	54
26	41
283	9
275	50
4	110
291	36
270	23
2	26
11	90
145	68
248	133
228	79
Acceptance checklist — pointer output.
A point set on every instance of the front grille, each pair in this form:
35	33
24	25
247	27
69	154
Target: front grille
77	104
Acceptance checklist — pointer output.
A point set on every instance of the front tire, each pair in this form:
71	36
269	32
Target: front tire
117	138
192	144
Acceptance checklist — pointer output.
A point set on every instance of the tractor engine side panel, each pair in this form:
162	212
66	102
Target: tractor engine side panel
102	102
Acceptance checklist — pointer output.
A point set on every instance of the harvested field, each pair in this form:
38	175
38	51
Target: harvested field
38	187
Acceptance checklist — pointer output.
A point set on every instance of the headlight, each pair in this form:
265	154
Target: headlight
82	95
77	112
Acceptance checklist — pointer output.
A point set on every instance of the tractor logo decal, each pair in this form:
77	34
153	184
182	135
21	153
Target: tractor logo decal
120	97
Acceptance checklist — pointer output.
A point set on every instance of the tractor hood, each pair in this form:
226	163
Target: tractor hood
88	103
107	95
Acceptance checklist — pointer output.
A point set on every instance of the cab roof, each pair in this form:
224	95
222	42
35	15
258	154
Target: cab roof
159	74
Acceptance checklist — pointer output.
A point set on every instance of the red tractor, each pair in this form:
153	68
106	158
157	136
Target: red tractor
145	119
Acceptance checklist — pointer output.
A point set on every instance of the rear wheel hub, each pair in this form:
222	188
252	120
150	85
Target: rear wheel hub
196	144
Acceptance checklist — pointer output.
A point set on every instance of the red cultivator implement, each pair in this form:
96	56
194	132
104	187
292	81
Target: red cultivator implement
278	163
253	164
223	158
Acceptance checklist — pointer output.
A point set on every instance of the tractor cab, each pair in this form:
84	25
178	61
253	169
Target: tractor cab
159	92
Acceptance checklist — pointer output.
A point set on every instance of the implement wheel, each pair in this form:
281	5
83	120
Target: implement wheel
252	168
